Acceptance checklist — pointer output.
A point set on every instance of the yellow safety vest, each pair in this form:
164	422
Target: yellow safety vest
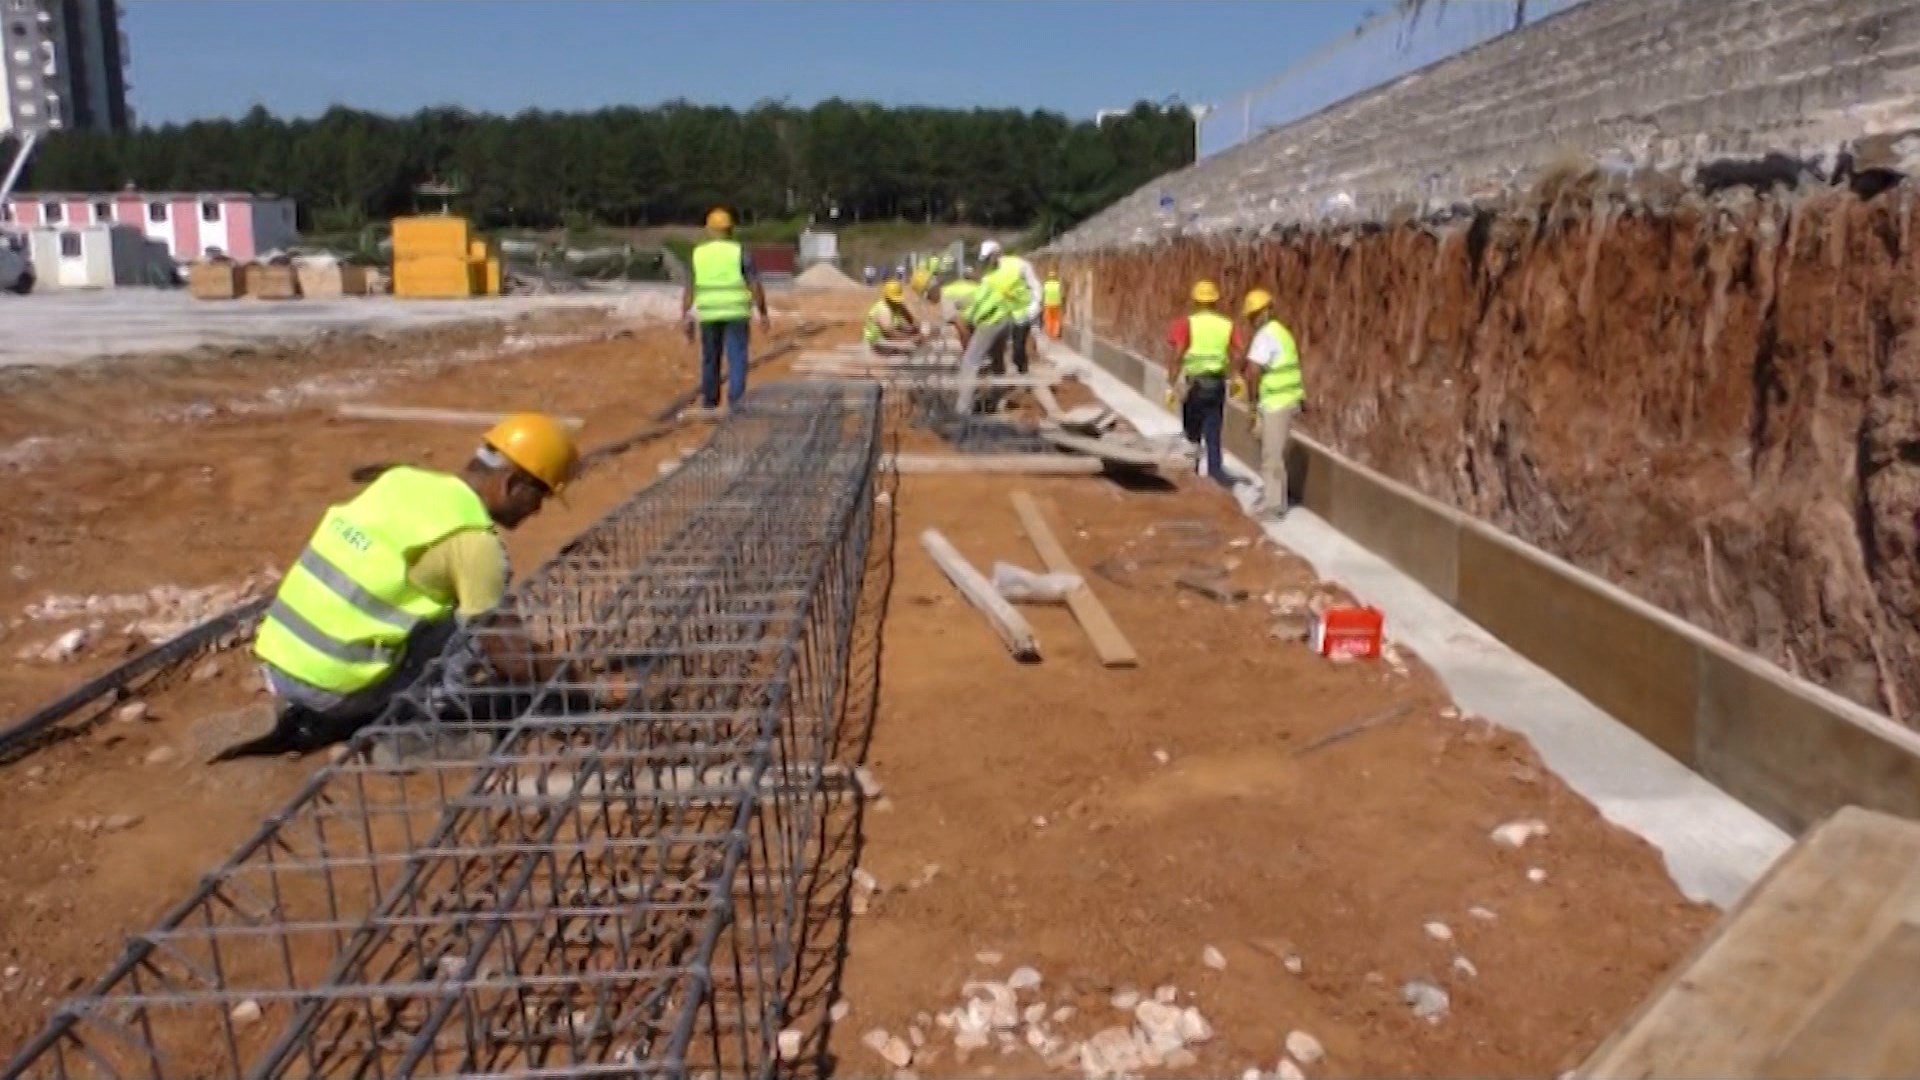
880	315
962	293
1018	295
1002	294
342	615
1050	292
1209	338
1281	384
719	288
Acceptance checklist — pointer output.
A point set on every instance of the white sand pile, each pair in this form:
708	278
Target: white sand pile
825	276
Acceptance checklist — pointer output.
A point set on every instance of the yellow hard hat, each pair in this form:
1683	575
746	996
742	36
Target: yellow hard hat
1205	292
718	218
919	280
892	290
1257	299
539	445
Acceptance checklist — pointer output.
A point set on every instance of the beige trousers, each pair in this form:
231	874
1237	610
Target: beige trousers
1273	459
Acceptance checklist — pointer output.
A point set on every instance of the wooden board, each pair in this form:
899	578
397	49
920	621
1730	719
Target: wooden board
1109	643
1122	451
438	416
1025	464
1816	972
985	381
1008	623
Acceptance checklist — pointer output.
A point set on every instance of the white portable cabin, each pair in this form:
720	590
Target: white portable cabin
97	257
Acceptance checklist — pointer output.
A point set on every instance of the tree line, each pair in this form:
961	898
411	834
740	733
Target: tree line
627	166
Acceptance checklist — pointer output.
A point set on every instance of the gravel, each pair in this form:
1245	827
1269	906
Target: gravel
1515	834
1439	931
161	755
247	1012
1304	1047
1212	957
1429	1002
133	712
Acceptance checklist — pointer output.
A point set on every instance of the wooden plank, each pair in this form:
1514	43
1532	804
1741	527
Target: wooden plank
352	411
1023	464
1109	643
1112	449
1866	1028
1819	916
1008	623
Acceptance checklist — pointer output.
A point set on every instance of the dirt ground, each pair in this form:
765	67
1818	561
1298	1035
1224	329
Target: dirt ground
1062	839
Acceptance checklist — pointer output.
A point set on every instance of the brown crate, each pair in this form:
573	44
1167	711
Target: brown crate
214	281
271	282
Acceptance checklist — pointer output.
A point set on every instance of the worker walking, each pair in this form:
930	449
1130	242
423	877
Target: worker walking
891	329
388	576
724	289
1278	395
1201	346
1015	278
1052	298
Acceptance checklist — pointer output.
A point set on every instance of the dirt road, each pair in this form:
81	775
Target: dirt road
1106	827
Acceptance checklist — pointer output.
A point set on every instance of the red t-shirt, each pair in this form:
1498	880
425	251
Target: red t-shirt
1178	336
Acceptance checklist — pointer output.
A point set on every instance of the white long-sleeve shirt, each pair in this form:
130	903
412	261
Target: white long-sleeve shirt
1033	292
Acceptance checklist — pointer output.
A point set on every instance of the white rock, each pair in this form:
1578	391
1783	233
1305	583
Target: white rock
1515	834
66	646
1211	957
1536	875
839	1011
1158	1020
1193	1026
790	1040
1287	1070
1450	713
875	1040
988	956
1293	964
970	1040
869	786
1126	999
1465	967
1034	1013
1063	1014
897	1053
917	1037
247	1012
1429	1002
1024	978
1166	995
1483	914
133	712
1436	930
120	822
1039	821
1162	756
992	1002
1251	1074
1110	1052
1304	1047
161	755
1040	1042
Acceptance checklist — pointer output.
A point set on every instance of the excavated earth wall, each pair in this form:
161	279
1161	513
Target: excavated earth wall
1714	403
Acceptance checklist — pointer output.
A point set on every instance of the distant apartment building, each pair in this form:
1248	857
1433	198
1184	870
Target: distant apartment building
65	66
191	225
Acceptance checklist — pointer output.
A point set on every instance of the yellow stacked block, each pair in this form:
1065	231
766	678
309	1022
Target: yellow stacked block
439	277
493	276
423	236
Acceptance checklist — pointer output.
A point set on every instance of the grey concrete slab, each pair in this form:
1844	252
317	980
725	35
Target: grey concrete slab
55	328
1714	845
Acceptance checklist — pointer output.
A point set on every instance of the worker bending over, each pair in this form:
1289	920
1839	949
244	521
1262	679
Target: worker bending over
955	298
1052	297
725	290
1277	396
991	315
891	329
1201	346
388	576
1022	287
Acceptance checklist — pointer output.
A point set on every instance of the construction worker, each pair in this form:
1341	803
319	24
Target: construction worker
955	298
1052	296
1277	395
1022	288
389	574
992	313
891	329
726	289
1201	347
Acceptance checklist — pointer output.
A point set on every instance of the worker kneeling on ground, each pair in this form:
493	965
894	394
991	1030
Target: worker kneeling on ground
1277	395
891	328
390	574
1202	344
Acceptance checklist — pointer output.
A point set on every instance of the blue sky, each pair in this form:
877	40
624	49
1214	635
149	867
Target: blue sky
204	58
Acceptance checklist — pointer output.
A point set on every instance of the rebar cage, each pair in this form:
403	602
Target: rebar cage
595	874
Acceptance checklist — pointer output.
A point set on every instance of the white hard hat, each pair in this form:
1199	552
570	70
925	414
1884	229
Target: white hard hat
989	249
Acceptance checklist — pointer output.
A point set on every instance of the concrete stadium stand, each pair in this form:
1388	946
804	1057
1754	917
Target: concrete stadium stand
1792	751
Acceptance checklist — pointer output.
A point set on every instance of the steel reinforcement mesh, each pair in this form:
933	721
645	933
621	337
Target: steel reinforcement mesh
592	875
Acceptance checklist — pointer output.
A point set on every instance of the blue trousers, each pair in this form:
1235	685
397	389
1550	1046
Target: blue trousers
1201	417
713	337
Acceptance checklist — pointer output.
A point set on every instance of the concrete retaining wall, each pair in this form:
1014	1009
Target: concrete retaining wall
1655	84
1790	750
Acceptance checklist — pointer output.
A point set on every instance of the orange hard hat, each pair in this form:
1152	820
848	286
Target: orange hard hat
538	445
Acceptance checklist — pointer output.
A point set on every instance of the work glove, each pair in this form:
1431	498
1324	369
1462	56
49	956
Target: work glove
1237	390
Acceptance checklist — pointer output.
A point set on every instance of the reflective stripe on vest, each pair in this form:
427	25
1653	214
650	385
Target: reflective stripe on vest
341	618
1209	337
719	287
1281	385
1051	293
